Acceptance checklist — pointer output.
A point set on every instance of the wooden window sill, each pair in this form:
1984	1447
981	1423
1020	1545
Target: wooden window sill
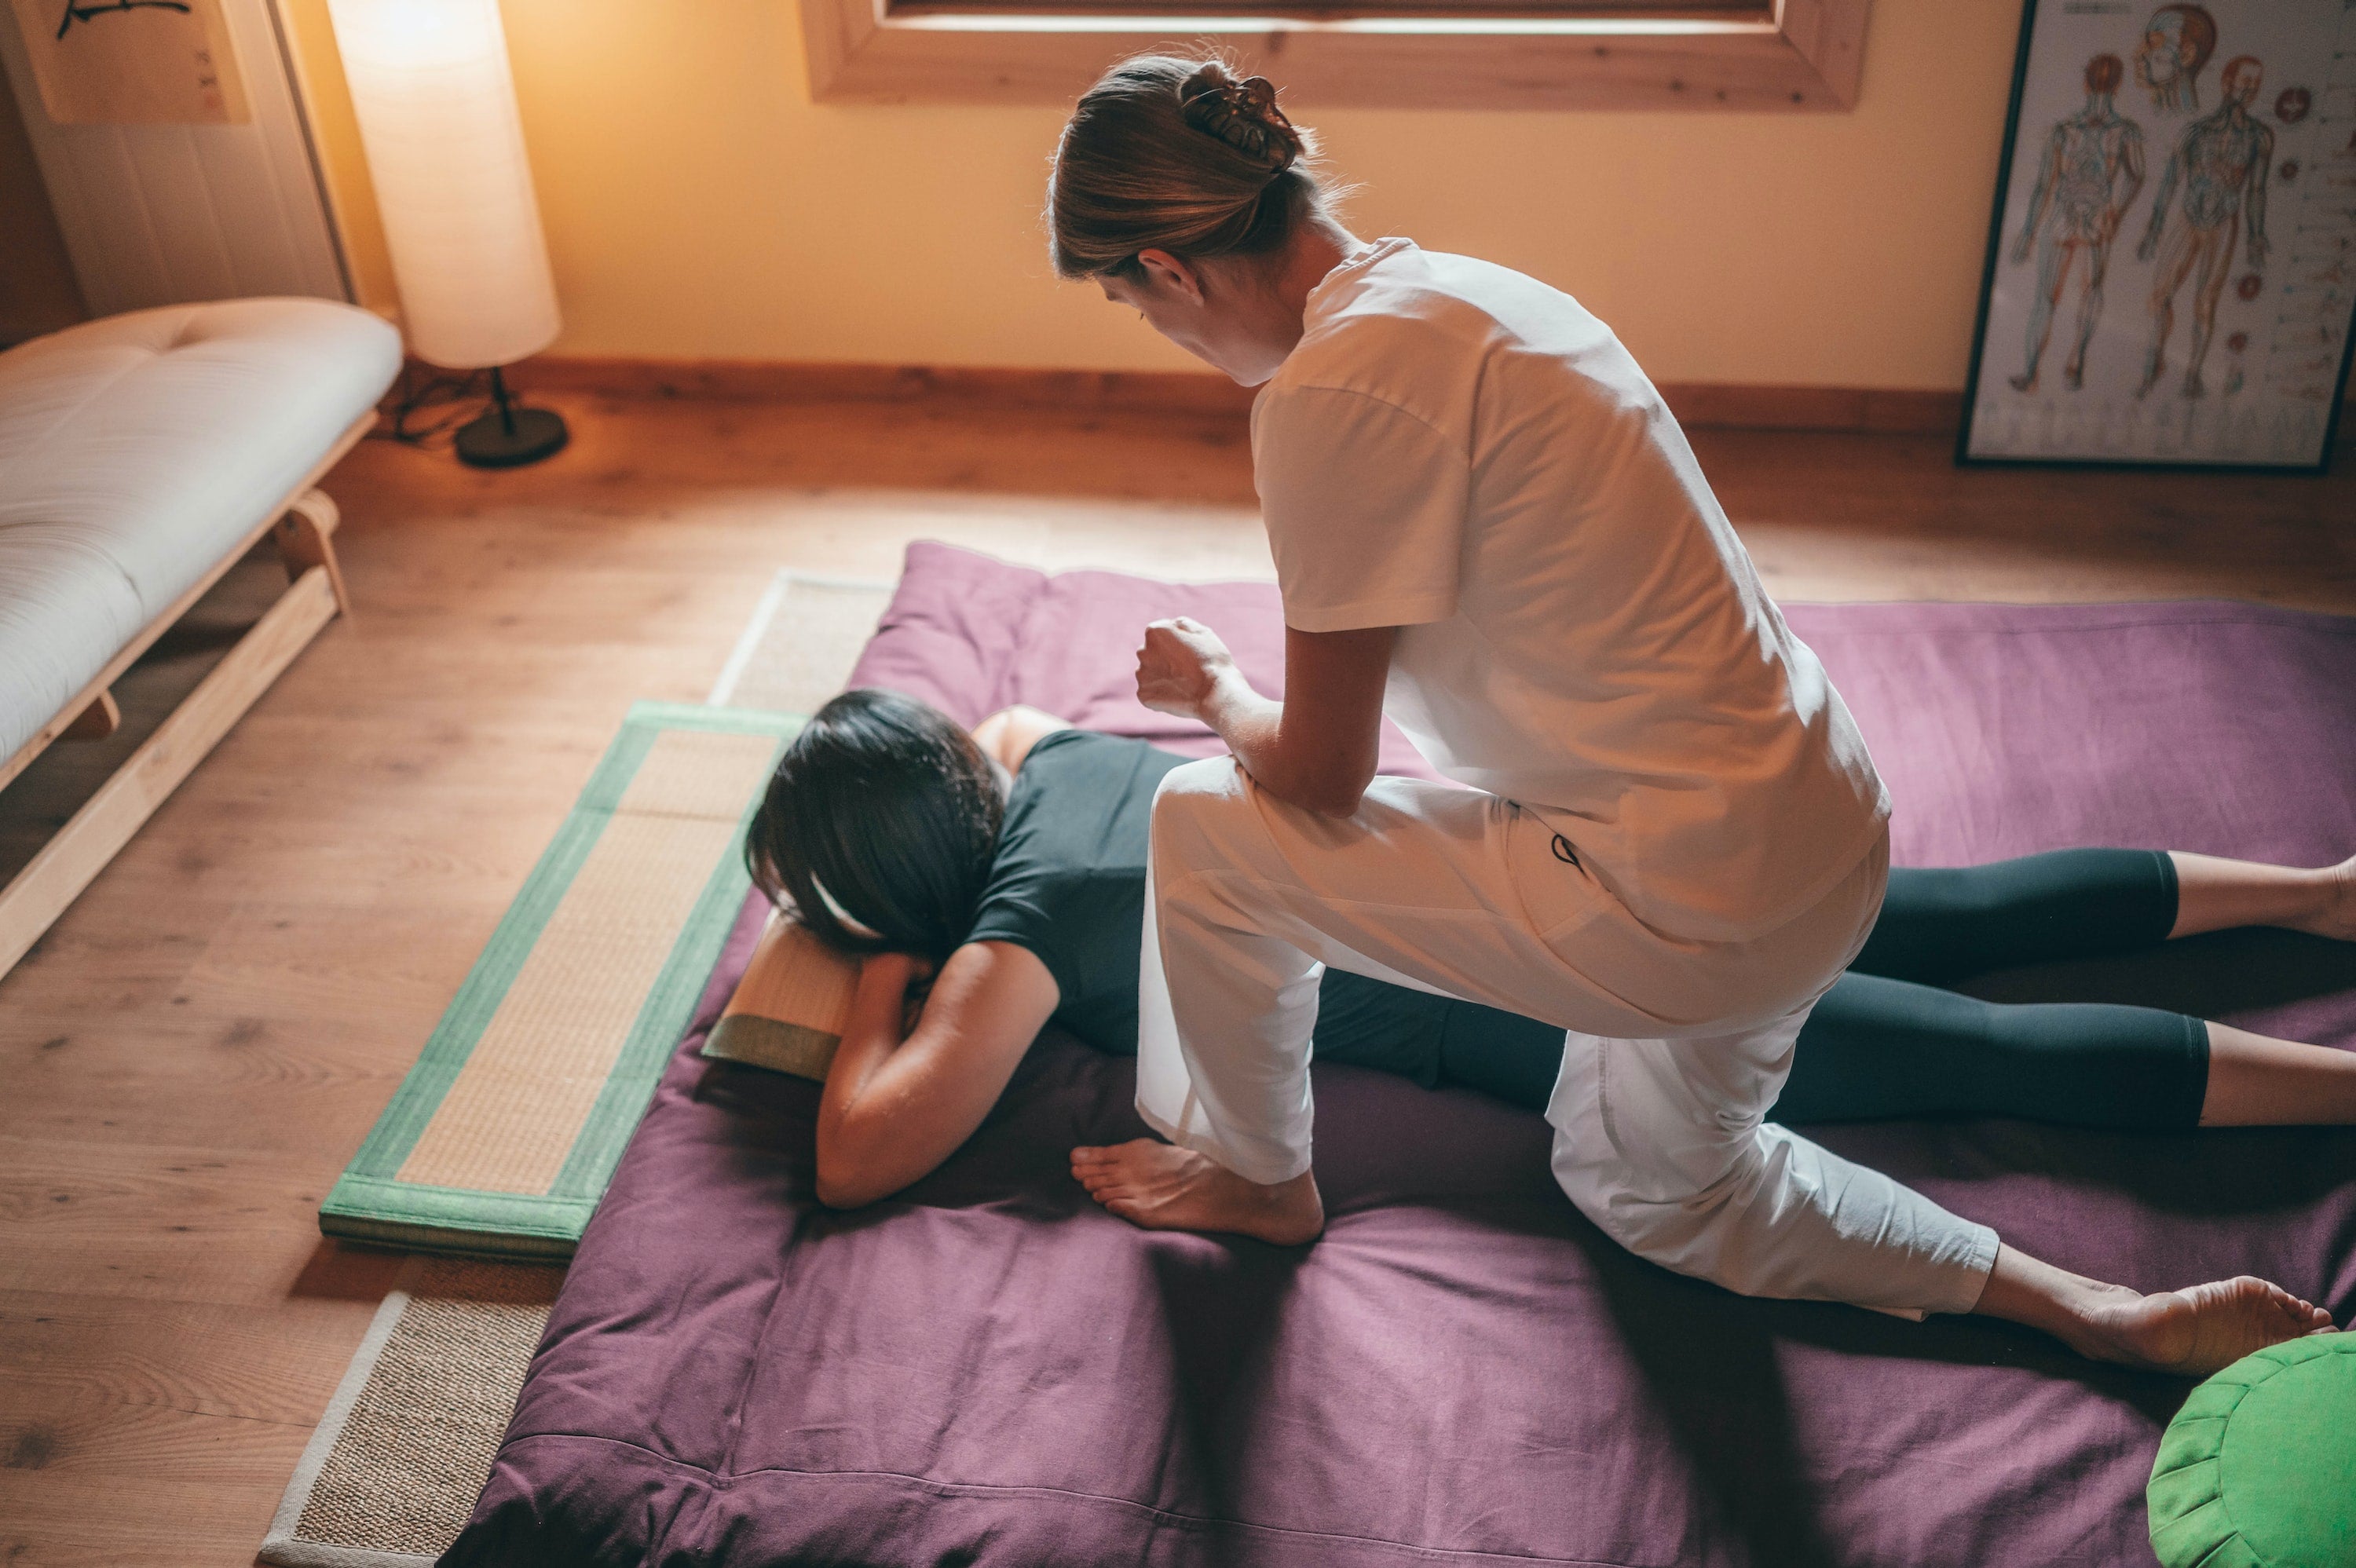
1786	55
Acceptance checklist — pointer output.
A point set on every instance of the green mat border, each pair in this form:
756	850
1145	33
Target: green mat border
369	1203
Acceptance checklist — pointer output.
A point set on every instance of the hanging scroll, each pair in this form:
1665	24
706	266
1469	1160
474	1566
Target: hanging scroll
132	62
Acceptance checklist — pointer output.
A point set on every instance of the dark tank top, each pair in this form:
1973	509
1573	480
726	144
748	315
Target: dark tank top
1069	883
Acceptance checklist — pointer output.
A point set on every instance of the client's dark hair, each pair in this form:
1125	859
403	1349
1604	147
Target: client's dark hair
886	804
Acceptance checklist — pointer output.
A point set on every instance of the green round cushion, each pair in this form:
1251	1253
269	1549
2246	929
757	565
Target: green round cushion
2258	1469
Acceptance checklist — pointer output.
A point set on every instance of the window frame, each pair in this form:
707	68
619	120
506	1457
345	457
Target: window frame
1805	56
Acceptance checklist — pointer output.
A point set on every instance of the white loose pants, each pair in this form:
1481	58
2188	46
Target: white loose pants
1674	1048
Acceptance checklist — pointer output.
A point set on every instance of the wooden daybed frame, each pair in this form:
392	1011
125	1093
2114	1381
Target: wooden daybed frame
303	525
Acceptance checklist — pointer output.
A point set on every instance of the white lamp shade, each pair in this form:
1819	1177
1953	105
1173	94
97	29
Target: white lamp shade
437	115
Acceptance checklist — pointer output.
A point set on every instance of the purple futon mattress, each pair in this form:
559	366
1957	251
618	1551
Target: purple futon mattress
988	1371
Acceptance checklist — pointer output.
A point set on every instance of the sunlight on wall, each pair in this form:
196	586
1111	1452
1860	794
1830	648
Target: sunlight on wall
697	205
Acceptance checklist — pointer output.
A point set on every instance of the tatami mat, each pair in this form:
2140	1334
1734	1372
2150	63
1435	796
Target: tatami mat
802	644
500	1140
508	1121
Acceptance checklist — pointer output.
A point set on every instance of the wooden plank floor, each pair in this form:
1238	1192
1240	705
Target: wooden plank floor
190	1056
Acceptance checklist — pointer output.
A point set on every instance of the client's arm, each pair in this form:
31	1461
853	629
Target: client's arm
896	1104
1317	748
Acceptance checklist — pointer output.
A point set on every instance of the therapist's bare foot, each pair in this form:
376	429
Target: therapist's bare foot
2198	1330
1161	1187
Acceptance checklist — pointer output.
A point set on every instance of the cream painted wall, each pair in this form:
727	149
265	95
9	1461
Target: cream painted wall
699	205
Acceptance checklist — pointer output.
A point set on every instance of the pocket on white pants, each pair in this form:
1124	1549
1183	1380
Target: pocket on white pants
1559	889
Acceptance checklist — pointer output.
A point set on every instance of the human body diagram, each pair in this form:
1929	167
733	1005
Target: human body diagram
2221	161
2177	42
2204	171
2091	169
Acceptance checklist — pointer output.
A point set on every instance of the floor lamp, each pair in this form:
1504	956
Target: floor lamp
437	115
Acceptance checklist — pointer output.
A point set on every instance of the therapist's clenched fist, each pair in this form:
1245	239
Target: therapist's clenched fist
1181	666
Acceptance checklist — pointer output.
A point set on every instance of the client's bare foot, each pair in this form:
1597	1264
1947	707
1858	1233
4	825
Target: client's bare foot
2197	1331
2336	917
1161	1187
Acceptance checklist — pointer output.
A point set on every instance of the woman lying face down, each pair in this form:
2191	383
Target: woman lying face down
994	880
879	831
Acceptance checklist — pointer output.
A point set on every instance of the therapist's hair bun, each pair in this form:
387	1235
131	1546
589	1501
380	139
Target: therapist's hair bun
1243	114
1178	153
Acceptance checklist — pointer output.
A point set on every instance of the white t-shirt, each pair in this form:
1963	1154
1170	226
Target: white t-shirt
1466	454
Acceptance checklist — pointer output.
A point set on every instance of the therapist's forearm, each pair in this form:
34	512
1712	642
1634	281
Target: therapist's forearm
1319	748
1277	757
1250	723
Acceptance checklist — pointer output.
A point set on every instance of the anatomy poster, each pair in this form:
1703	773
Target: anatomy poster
2173	274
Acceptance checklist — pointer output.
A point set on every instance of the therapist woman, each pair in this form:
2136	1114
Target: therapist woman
1486	524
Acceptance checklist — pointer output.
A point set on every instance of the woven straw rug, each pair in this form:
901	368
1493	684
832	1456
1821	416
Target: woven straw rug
392	1471
401	1453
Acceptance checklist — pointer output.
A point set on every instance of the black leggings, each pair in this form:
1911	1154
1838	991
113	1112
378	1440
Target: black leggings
1886	1041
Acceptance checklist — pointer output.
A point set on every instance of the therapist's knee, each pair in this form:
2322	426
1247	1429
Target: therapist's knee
1198	811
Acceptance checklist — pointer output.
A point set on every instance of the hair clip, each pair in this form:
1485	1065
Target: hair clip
1244	115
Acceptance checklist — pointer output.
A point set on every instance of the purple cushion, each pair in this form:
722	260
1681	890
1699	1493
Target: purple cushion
988	1371
971	635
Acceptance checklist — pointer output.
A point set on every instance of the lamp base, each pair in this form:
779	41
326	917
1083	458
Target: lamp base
509	437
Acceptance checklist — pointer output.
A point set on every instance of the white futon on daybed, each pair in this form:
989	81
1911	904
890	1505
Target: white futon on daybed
140	456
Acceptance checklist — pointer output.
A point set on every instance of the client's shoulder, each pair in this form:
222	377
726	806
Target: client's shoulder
1066	767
